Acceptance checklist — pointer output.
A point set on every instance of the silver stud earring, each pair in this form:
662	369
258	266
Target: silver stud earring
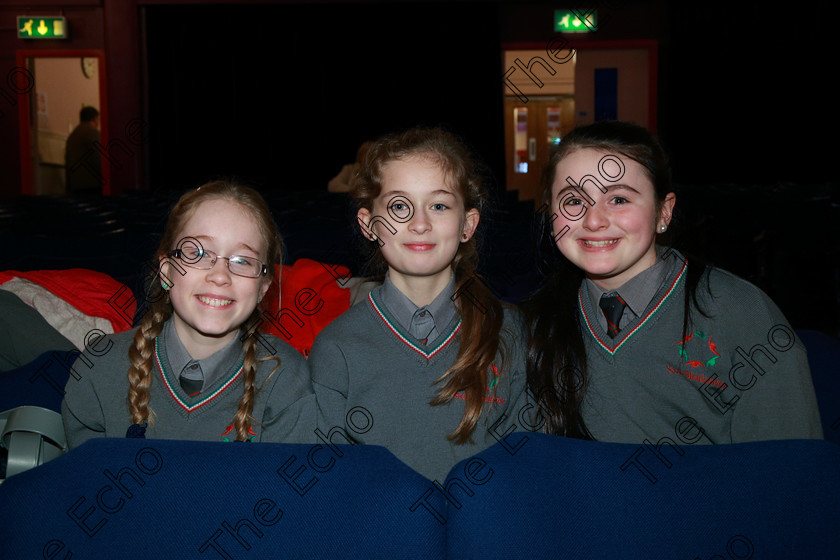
662	229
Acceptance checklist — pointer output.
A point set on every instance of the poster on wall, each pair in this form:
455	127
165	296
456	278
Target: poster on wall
41	104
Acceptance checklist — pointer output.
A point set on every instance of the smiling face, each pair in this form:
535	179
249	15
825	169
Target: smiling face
418	201
613	239
210	305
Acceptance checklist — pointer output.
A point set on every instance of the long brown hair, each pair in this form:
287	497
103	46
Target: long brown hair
481	322
141	353
557	368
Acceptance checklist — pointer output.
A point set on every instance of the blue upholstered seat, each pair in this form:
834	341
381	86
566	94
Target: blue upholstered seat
544	496
39	383
535	496
114	498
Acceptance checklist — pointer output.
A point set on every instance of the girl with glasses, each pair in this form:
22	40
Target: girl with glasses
196	367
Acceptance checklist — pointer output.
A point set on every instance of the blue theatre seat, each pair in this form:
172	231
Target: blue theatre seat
535	496
129	498
39	383
552	497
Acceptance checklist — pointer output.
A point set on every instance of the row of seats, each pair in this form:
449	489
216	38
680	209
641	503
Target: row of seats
780	238
529	496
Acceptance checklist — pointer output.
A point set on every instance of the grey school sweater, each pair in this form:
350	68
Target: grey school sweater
96	397
740	375
374	383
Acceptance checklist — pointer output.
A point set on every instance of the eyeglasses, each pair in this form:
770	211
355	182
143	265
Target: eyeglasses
196	257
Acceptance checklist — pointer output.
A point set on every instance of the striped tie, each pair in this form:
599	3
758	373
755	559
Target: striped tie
613	308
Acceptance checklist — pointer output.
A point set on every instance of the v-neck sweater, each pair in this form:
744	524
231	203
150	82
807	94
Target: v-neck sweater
740	375
374	383
96	404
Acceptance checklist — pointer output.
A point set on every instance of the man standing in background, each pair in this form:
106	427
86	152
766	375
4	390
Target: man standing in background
82	162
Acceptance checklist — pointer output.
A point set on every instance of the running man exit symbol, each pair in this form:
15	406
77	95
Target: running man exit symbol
571	21
47	28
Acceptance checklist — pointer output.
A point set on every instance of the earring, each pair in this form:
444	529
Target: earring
464	237
164	285
662	229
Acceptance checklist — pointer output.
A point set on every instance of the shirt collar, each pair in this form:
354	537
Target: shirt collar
212	367
639	290
404	311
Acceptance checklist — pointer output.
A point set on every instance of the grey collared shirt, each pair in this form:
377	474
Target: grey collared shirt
636	292
420	322
208	369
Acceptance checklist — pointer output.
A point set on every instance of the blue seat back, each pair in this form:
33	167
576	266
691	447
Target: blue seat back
542	496
113	498
39	383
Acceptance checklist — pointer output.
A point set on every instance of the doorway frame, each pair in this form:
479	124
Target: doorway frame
24	111
652	46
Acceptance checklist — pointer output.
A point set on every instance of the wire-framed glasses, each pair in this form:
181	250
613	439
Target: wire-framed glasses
202	259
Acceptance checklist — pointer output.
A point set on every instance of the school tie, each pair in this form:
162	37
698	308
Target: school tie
423	326
192	380
613	308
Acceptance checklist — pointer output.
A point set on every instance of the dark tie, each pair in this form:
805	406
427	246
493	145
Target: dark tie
422	325
613	308
191	386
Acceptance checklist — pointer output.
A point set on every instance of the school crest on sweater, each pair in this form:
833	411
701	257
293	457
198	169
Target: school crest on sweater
230	434
698	350
491	392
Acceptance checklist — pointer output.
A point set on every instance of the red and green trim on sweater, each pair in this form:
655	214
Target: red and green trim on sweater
626	335
165	375
428	354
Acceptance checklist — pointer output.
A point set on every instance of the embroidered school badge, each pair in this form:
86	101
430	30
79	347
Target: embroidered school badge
698	350
229	429
489	397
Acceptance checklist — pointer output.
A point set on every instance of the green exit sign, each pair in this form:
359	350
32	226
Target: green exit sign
575	21
37	27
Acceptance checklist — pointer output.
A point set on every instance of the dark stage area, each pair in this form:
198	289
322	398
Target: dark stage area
283	94
287	106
